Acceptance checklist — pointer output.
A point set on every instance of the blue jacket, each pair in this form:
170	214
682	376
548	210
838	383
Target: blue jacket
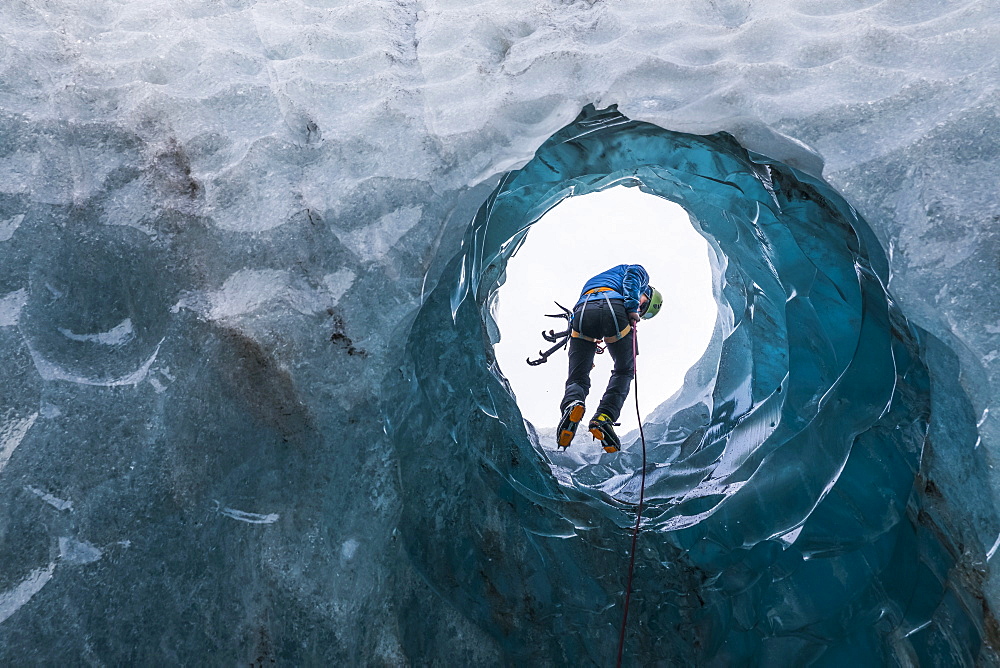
627	281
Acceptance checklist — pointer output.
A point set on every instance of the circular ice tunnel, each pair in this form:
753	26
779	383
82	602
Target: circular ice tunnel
573	241
786	523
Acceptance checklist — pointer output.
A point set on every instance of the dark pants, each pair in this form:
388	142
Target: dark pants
595	319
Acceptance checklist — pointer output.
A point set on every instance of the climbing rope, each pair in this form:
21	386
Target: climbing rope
642	494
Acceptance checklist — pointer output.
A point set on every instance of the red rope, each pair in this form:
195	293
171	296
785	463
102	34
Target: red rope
642	494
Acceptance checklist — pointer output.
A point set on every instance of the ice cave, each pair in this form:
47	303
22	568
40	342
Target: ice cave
546	273
251	410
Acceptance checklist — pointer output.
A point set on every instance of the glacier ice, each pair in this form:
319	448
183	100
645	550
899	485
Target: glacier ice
789	518
225	237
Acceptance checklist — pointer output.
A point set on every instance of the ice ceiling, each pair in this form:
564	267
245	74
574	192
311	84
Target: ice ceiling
247	412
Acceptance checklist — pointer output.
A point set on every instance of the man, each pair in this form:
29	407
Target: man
609	308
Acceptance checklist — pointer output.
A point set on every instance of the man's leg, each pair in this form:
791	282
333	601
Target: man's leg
581	361
621	378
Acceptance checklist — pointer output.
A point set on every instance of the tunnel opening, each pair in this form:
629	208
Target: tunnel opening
575	240
788	519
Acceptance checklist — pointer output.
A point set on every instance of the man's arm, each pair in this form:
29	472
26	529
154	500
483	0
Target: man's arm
635	283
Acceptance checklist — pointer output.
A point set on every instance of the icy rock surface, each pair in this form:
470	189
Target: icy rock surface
218	220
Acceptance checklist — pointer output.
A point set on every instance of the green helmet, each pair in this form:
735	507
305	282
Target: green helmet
654	304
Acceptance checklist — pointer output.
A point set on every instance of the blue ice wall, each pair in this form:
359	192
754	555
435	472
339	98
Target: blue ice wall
791	518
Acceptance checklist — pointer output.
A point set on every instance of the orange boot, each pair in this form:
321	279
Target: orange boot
567	425
602	428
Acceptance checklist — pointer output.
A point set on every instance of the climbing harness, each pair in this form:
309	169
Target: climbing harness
622	333
638	512
561	339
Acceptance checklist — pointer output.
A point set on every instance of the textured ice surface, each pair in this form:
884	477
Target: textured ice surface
267	191
789	518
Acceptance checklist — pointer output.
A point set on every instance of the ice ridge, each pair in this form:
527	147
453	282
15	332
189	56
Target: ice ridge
792	518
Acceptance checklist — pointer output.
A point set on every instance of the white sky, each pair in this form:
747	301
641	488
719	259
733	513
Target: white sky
579	238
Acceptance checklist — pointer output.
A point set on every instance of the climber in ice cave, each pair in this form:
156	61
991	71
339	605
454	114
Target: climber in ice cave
609	308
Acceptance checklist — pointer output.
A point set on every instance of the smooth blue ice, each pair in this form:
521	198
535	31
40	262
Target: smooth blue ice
789	518
220	221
